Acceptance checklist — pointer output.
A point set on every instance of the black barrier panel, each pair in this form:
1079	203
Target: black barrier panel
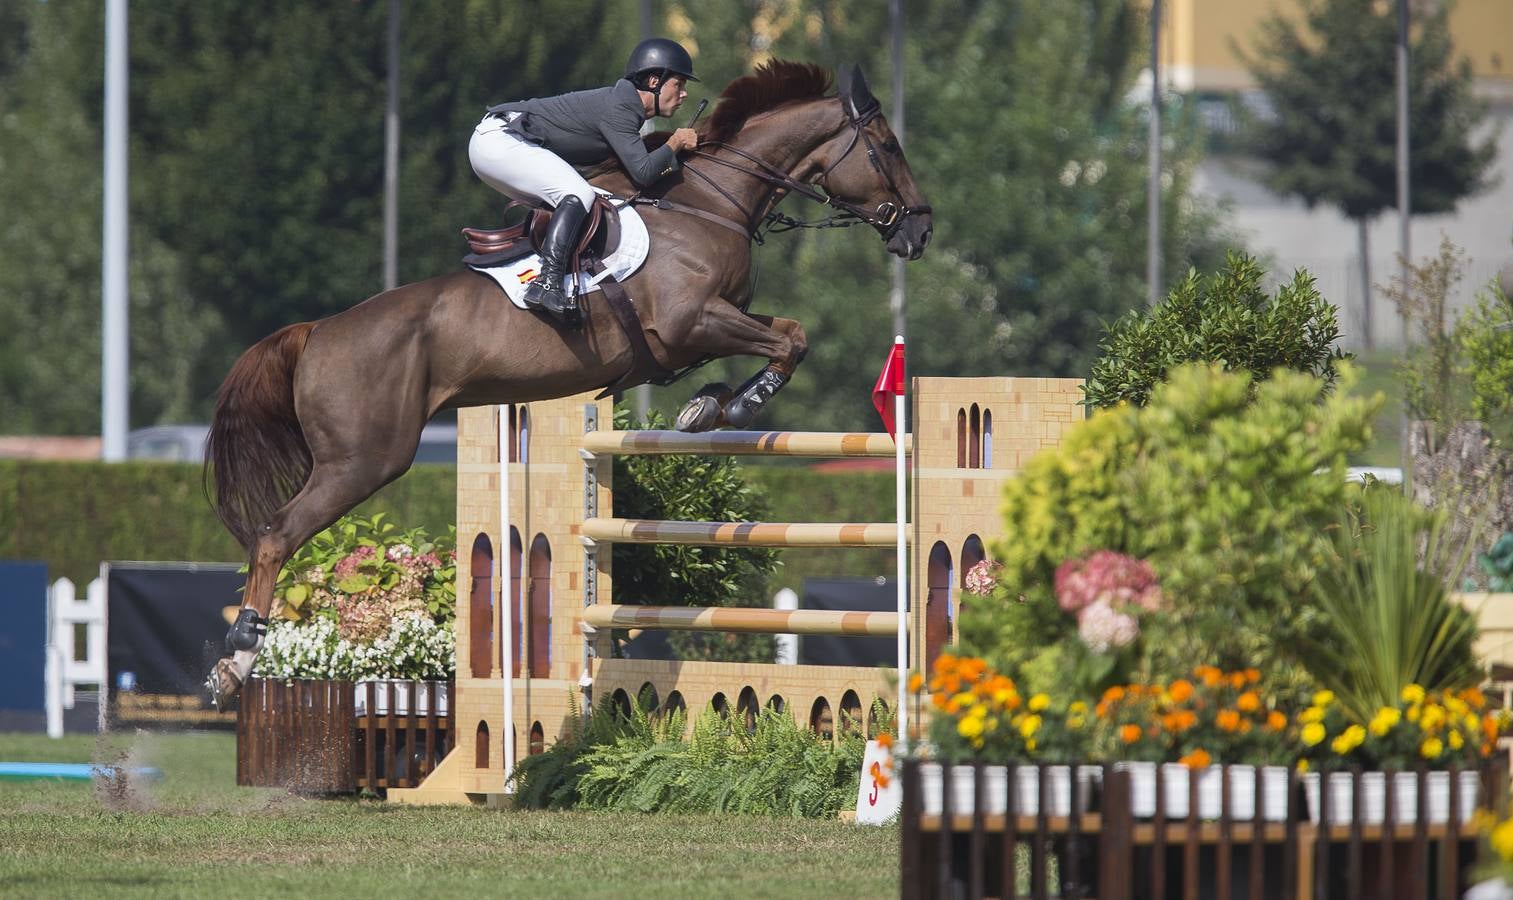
160	619
850	595
23	644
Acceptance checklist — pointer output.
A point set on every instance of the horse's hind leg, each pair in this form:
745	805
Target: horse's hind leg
330	492
780	340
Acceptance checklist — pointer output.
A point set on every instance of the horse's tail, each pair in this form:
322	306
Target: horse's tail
256	453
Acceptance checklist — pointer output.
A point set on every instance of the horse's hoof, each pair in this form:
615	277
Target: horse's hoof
223	684
701	414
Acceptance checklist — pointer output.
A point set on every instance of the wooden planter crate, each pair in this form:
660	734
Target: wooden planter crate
305	735
1109	853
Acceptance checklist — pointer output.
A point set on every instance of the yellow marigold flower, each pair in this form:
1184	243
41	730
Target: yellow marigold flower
1129	733
1077	708
1030	745
1413	693
970	727
1029	726
1323	698
1431	748
1433	717
1181	690
1228	720
1456	705
1472	720
1249	701
1198	759
1076	722
1385	720
1455	740
916	681
1302	767
979	711
1002	696
1276	720
1311	715
1312	733
1502	840
1348	740
1039	702
1413	713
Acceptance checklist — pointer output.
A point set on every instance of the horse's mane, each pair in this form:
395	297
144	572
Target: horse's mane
773	84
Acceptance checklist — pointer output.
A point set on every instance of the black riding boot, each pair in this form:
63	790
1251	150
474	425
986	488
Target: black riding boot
546	291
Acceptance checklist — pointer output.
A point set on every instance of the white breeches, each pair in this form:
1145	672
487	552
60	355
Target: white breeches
521	170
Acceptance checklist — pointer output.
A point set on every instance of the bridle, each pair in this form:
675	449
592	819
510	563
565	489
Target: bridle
888	217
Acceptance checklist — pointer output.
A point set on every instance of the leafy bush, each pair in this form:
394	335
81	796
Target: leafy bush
1222	486
1484	336
700	489
1226	319
643	763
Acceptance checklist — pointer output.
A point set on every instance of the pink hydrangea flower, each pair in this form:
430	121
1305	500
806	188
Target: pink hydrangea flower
982	578
1107	577
351	561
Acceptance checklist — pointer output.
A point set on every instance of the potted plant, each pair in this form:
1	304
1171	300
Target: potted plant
979	715
363	601
1212	726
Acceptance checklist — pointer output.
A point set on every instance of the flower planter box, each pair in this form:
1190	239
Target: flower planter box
1373	788
1176	791
995	788
306	735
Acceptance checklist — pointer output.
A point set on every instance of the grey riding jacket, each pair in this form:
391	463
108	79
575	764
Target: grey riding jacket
585	127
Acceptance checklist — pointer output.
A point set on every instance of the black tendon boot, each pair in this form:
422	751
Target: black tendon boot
546	291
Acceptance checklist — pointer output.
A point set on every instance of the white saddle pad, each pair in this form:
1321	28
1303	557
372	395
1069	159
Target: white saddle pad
620	265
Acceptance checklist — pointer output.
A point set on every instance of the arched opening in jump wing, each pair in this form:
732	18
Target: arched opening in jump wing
938	603
822	720
541	607
481	746
481	608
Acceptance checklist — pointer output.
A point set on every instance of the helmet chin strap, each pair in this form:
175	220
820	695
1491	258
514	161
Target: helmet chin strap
656	95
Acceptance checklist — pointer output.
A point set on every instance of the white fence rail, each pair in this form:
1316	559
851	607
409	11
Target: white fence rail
69	619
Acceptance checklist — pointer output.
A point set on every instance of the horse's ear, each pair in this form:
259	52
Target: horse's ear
855	93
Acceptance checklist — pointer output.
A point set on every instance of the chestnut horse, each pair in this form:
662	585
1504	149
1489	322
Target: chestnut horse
316	417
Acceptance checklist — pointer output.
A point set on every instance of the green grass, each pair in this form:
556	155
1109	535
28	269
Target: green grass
194	834
1377	373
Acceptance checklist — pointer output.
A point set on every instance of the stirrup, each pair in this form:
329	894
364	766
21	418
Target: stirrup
543	295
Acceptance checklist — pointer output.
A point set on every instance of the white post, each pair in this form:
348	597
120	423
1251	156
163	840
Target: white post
115	314
787	644
506	625
900	429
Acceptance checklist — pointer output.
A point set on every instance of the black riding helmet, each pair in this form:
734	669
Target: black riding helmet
660	57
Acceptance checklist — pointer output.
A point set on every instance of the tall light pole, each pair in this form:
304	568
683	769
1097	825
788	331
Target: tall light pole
642	394
896	25
391	157
1153	190
115	323
1404	207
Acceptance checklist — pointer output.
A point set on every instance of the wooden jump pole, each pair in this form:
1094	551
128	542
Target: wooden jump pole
810	444
744	620
741	534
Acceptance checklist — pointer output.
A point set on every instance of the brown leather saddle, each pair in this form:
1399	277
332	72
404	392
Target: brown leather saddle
600	237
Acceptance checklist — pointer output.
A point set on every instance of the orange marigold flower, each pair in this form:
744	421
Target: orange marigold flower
1249	701
1198	759
1276	721
1475	697
1186	719
945	664
916	681
1210	675
1101	710
1181	690
1237	680
938	700
1253	676
971	668
1228	720
1113	694
1129	733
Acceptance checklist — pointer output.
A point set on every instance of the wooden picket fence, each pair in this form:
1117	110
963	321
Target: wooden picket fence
305	734
1108	853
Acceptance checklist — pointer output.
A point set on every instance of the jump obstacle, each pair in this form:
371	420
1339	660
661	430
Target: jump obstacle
968	436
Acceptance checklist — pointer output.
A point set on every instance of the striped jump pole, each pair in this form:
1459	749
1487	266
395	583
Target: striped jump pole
746	620
740	534
809	444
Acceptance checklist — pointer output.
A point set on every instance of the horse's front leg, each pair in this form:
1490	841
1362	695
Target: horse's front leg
730	332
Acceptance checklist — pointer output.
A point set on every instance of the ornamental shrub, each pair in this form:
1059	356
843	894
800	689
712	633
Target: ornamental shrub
1222	486
1227	319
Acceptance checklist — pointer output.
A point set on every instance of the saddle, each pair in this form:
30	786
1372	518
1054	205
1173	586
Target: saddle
599	237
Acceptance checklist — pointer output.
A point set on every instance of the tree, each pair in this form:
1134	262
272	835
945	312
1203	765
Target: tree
1332	137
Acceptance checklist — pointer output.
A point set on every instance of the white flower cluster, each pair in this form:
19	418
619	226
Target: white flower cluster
414	647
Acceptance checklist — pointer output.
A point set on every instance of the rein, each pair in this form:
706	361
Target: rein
888	216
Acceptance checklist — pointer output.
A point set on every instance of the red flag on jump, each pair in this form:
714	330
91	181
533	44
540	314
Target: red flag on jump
890	384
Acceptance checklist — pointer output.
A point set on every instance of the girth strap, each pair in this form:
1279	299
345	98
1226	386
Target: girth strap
644	366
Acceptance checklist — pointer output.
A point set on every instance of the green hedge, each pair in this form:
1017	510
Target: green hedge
72	515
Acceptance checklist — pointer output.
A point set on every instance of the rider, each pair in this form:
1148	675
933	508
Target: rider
527	150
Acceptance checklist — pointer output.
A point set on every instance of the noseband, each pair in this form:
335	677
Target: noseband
888	217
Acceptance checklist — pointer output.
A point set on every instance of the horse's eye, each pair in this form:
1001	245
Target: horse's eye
890	145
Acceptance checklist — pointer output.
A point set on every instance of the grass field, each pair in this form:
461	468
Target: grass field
195	834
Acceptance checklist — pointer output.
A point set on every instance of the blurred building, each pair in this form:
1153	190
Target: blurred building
1200	65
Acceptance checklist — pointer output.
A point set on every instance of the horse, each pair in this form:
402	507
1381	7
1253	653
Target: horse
315	418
